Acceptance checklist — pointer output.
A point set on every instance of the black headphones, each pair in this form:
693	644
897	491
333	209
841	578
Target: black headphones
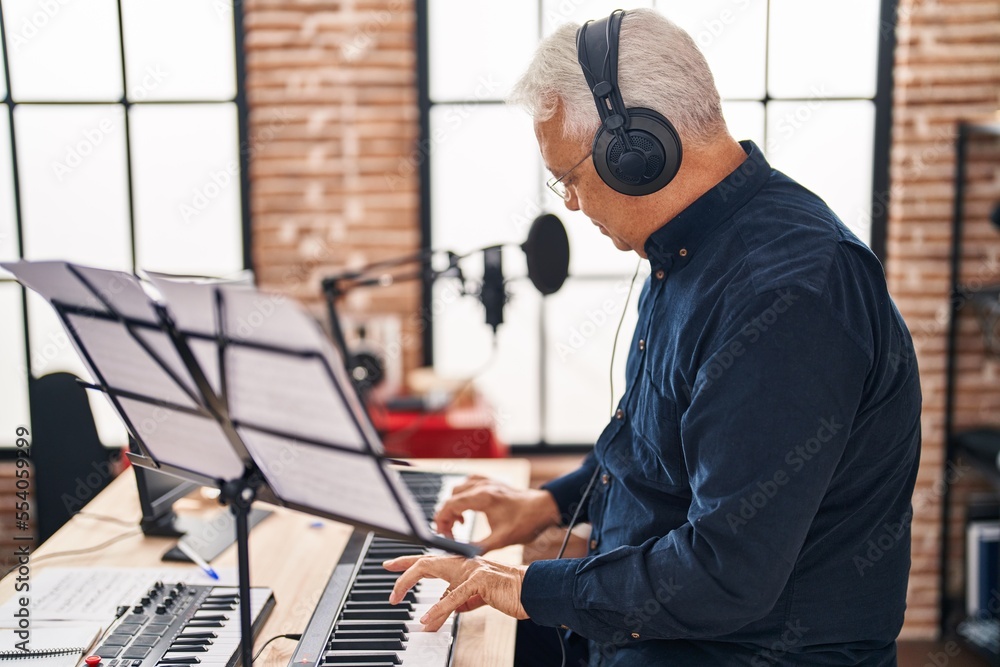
636	151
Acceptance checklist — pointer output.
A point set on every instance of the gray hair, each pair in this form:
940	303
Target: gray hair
659	68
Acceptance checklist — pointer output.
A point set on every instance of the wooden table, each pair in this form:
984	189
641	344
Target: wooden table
288	553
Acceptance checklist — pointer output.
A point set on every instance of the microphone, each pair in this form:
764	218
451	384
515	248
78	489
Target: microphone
493	293
546	251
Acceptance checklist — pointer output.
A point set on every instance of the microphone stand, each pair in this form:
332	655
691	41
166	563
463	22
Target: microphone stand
338	285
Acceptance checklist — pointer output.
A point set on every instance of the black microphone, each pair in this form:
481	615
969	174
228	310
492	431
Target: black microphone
493	293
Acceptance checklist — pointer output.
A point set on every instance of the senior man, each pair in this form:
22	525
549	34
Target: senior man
770	429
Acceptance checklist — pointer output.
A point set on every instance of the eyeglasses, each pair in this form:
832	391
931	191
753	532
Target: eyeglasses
556	184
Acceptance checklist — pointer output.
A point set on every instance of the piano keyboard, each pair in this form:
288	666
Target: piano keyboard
182	624
354	625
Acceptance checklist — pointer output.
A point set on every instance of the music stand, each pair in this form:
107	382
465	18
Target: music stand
233	389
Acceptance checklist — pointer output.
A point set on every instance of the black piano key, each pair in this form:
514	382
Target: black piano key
210	617
377	604
353	657
186	649
384	576
185	641
378	595
197	635
195	623
377	614
370	634
179	660
366	644
370	625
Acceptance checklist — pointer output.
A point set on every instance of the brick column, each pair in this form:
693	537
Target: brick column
334	126
947	68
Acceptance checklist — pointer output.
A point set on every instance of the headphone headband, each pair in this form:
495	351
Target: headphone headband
636	151
604	82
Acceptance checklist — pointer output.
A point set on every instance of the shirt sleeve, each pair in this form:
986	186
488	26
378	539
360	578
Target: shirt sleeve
568	489
767	434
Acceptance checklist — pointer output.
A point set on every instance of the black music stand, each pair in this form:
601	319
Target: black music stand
233	389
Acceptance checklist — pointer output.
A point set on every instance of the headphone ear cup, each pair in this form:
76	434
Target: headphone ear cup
653	161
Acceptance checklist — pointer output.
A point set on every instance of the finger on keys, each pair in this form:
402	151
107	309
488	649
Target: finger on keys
419	569
470	481
400	563
439	612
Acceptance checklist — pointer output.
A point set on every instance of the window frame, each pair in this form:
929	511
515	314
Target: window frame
243	132
881	190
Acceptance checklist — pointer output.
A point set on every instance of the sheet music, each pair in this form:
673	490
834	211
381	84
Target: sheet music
123	291
125	365
283	374
288	394
187	441
334	482
94	593
191	305
54	282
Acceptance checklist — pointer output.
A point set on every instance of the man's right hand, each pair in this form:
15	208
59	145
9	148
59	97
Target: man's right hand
516	516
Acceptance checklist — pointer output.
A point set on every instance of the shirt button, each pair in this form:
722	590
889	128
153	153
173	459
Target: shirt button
683	252
635	635
619	414
642	344
593	544
659	274
605	478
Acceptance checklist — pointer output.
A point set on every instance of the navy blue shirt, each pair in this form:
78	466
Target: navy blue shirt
752	504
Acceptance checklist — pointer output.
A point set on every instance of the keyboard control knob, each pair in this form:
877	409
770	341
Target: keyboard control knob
137	609
161	609
93	660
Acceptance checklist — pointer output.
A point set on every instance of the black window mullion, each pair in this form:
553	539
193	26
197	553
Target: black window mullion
243	128
126	106
16	182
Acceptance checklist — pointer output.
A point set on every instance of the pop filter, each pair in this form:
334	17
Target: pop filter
547	253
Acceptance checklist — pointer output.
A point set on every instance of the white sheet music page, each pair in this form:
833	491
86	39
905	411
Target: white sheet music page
187	441
54	281
288	394
306	393
127	366
333	482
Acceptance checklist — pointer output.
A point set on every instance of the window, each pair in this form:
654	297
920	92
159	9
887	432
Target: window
120	148
819	110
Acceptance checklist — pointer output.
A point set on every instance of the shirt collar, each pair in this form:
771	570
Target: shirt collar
677	242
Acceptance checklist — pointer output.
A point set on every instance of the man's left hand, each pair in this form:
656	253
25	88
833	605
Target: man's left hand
473	582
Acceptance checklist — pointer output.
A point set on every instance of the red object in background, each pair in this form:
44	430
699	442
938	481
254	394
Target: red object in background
453	433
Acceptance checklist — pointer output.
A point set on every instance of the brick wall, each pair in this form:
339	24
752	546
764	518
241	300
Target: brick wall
947	68
334	126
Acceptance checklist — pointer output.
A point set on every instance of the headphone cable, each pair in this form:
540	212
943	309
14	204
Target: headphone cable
597	468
